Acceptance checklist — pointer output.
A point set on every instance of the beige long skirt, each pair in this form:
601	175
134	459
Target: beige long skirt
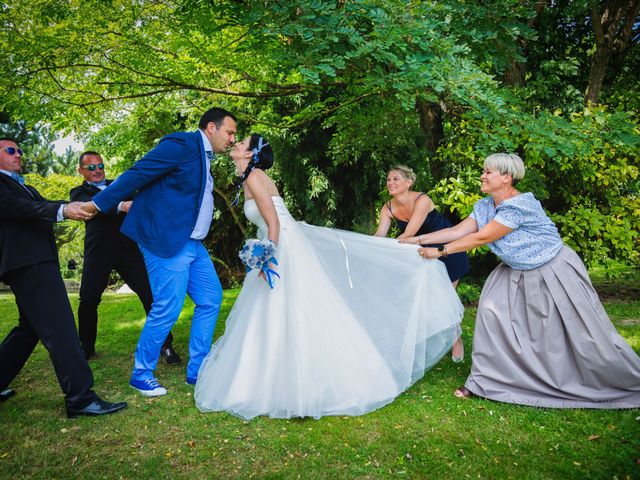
543	339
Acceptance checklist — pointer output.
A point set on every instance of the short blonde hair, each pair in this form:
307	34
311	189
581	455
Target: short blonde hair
506	163
405	171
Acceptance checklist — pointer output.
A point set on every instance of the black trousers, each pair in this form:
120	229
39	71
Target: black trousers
95	277
46	315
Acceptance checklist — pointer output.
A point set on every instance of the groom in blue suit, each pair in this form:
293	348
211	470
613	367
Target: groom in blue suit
169	218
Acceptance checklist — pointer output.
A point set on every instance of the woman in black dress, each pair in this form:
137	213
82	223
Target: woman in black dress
415	214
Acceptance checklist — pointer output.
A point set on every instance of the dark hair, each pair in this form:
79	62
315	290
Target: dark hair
262	159
215	115
86	154
265	155
8	139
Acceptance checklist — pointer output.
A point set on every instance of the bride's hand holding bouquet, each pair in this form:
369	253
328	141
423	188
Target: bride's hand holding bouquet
260	255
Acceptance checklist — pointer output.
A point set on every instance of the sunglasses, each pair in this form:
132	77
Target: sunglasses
91	168
13	150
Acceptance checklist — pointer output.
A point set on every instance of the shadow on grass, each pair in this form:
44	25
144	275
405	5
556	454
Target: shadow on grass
424	433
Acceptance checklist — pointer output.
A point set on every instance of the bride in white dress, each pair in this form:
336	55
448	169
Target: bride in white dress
351	322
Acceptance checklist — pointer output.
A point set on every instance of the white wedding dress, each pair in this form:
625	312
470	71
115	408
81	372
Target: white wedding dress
352	322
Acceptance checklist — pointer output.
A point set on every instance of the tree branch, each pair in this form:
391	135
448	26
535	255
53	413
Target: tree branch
234	213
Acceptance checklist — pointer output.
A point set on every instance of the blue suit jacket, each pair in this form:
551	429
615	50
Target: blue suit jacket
170	180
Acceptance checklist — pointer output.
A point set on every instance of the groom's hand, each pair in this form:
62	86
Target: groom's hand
89	207
74	211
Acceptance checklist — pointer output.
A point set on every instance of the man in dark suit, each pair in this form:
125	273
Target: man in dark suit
29	265
169	218
107	249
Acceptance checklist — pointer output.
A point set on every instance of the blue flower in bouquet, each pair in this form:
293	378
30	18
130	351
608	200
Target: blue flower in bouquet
257	254
259	251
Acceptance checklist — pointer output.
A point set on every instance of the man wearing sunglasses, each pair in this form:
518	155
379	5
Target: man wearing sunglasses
107	249
29	265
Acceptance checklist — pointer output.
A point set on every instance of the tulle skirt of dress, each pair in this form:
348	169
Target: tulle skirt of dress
352	322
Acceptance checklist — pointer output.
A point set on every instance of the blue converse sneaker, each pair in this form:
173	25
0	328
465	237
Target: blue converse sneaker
148	388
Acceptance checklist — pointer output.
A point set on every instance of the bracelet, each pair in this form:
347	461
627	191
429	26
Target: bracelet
64	210
420	240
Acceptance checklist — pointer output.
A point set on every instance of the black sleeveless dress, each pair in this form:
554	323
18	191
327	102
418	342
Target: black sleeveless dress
457	263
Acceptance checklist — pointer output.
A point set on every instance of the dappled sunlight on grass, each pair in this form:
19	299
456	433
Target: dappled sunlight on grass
425	433
129	324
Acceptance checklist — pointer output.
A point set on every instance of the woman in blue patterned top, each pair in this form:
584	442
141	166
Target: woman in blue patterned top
541	337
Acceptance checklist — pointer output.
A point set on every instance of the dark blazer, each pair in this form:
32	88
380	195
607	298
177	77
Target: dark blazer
102	232
26	226
170	181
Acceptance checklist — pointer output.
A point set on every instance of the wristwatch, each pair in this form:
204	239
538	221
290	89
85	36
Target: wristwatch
441	249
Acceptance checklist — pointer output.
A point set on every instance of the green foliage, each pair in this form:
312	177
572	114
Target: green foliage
335	86
67	163
583	167
37	144
69	234
425	433
459	192
54	186
469	293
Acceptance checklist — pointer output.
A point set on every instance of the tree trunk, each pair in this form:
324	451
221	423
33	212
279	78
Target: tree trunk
430	115
613	27
514	75
599	63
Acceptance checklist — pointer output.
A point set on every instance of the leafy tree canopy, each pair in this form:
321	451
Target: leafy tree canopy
344	89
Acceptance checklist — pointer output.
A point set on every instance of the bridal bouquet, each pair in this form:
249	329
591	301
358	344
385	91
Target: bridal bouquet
257	254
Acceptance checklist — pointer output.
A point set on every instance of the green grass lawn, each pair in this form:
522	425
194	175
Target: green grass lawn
425	433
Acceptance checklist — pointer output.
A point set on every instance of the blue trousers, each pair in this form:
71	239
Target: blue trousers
190	272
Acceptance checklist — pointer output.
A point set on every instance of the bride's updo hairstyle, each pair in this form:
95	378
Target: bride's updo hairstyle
262	158
262	150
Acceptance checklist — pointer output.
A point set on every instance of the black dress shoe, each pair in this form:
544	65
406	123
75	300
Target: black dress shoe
170	356
6	394
97	407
